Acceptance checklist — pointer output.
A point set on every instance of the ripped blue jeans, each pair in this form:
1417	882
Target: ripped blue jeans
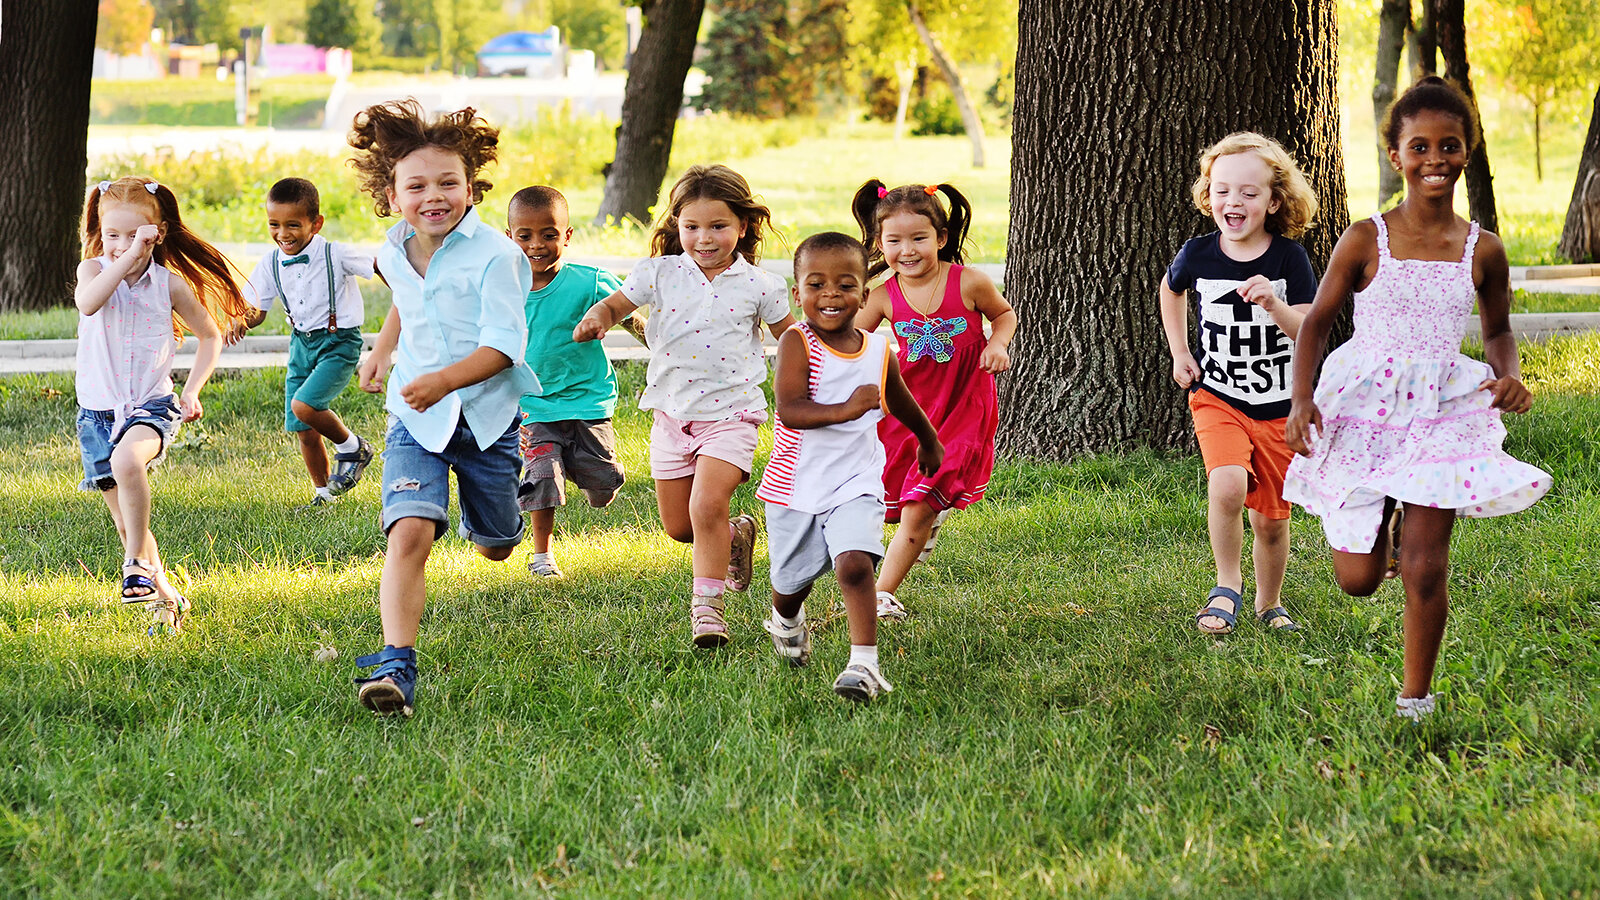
416	483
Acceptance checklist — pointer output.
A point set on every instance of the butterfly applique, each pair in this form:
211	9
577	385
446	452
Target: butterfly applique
932	337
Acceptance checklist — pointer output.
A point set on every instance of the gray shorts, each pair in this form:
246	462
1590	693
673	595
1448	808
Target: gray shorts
801	547
583	451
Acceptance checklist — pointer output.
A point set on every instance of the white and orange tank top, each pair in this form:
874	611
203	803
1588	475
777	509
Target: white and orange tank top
813	470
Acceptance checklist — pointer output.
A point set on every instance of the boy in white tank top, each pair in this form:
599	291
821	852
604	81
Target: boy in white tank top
823	485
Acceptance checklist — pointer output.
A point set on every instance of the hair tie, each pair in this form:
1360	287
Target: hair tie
931	189
148	185
882	192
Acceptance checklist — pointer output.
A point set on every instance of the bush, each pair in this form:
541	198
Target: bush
936	113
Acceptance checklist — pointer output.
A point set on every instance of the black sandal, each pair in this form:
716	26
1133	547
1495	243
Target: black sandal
1271	617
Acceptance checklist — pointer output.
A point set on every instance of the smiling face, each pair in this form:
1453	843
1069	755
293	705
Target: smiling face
1241	197
118	224
541	234
710	232
1431	153
910	244
290	226
430	191
830	284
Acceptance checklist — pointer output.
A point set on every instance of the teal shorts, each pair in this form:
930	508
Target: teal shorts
320	365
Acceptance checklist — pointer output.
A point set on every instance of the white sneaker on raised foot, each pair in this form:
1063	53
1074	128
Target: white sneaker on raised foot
1414	708
861	683
890	608
790	643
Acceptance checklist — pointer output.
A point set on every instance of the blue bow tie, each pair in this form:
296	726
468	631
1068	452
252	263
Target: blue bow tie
295	260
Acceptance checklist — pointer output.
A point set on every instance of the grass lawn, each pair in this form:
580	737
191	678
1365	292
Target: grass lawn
1058	727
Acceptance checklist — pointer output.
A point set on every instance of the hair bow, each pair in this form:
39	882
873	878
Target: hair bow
148	185
882	192
931	189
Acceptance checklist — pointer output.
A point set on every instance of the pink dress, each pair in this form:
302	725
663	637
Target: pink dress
939	360
1402	413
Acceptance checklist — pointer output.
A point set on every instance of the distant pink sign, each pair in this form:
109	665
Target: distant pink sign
295	59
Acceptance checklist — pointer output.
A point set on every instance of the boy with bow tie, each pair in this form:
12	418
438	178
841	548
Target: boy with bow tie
316	281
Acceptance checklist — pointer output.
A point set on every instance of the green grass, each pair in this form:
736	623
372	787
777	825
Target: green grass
1058	727
287	102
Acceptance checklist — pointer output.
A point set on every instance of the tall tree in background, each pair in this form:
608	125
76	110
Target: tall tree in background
1449	22
1542	50
124	26
748	59
650	104
49	47
1580	235
1113	105
339	23
1394	23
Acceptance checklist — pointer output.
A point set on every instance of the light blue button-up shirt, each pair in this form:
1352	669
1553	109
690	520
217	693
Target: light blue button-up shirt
471	297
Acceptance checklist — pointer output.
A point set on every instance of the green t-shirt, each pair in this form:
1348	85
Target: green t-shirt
577	378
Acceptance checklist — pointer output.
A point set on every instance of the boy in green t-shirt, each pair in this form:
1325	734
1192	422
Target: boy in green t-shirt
566	431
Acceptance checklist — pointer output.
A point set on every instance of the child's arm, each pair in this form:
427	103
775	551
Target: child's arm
874	310
601	316
205	358
374	370
790	383
782	325
1352	256
430	387
979	290
1175	324
1494	313
237	330
1258	290
96	284
903	406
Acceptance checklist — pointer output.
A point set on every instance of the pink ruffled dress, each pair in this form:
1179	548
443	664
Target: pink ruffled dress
938	357
1402	413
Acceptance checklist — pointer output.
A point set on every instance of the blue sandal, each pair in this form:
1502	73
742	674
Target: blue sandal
389	689
1228	618
1277	619
143	582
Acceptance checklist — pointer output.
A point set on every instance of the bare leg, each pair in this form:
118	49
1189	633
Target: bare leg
541	524
713	486
789	605
315	456
672	501
403	593
1226	487
1425	571
1360	574
854	570
916	522
1269	552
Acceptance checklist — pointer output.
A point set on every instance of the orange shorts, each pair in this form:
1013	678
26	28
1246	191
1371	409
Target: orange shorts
1228	437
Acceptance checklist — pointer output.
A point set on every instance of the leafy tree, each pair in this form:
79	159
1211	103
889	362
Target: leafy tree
747	59
124	26
1542	50
597	25
339	23
1450	31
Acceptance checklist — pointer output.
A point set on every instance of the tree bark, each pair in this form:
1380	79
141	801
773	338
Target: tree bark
46	55
1425	46
1113	105
1394	20
969	113
650	104
1449	22
1580	236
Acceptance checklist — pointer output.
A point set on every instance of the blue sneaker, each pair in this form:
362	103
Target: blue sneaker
347	467
389	689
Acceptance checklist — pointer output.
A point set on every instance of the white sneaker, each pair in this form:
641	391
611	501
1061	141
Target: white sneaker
890	608
790	643
861	683
1414	708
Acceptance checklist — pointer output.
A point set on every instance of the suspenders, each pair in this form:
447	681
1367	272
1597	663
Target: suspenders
333	299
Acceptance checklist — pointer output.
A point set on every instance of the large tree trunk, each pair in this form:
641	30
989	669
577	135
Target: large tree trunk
1425	45
969	113
46	55
1394	20
1449	21
1113	104
1580	236
650	105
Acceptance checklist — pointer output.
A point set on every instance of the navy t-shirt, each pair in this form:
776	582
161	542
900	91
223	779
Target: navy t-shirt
1243	355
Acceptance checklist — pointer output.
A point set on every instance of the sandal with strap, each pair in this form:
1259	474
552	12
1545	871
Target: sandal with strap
1229	618
1277	619
390	688
143	582
891	609
708	627
741	552
348	467
168	616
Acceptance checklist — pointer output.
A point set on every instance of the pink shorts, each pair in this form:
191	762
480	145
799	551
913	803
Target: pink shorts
676	444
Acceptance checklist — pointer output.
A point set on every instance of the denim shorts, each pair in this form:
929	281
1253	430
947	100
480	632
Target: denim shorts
96	441
416	484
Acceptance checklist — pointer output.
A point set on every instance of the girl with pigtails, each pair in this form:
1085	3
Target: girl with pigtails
937	308
132	313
